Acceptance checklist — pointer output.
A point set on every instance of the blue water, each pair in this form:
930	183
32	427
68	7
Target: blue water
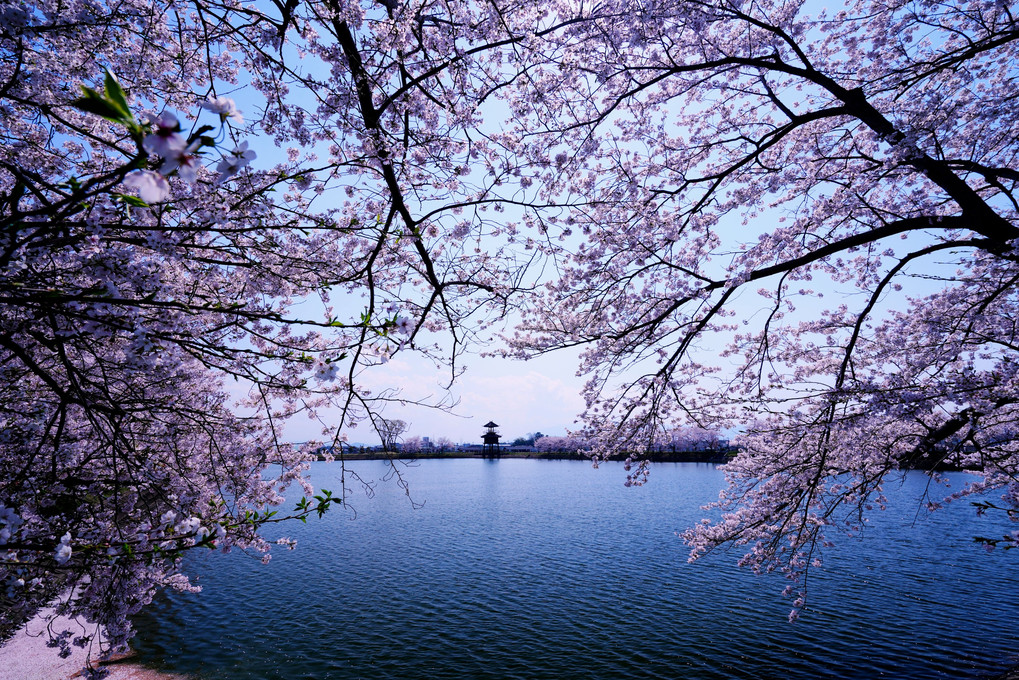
550	569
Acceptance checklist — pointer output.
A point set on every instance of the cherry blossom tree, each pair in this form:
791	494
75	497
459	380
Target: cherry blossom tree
794	221
567	444
173	296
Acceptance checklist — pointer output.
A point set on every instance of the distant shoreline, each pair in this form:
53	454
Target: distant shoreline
716	457
710	456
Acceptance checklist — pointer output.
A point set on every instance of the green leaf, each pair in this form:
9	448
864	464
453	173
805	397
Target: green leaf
130	200
115	96
93	102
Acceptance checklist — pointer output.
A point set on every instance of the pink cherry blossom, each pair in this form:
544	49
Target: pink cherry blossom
234	162
166	141
185	161
325	371
403	325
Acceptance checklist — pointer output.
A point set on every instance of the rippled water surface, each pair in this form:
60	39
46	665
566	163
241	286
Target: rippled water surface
548	569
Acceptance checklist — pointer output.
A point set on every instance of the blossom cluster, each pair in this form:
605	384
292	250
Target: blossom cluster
182	157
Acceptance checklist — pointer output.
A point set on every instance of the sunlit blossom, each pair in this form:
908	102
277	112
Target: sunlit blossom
224	107
151	186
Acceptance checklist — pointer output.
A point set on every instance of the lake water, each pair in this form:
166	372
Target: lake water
551	569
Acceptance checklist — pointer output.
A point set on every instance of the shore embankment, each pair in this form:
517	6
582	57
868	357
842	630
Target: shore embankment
26	656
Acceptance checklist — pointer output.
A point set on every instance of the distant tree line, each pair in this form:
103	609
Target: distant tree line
679	441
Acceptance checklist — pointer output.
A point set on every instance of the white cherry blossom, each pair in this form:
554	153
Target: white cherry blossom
151	186
224	107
